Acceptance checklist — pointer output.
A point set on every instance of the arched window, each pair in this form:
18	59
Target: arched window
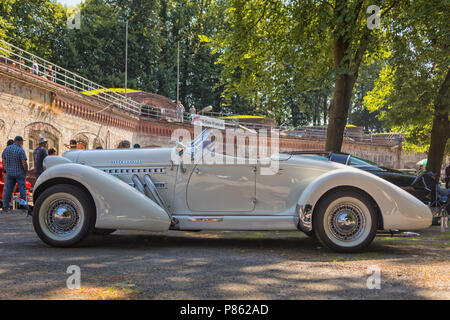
37	130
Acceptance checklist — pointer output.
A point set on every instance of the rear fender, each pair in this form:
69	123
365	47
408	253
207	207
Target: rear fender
118	205
399	209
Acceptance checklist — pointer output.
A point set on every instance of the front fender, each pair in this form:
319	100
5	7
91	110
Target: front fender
118	205
399	209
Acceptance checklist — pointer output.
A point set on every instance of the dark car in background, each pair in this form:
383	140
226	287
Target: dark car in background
399	178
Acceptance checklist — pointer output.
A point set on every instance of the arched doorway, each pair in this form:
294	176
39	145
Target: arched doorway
82	141
37	130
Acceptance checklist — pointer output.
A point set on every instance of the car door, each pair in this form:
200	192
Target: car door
221	188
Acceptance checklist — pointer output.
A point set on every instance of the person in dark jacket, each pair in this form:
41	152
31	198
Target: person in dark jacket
38	155
10	142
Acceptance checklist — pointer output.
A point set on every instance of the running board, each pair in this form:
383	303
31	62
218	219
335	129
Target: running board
242	223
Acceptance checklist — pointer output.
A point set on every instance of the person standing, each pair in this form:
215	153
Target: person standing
49	72
124	144
180	110
38	155
35	68
73	144
10	142
15	161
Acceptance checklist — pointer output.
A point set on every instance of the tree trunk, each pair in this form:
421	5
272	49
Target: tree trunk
342	97
343	85
440	131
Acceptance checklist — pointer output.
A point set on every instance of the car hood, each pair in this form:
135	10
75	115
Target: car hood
121	157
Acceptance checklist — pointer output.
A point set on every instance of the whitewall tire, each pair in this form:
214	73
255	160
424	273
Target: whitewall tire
345	221
63	216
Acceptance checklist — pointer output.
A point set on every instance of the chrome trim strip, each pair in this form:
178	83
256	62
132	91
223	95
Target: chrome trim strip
133	170
205	219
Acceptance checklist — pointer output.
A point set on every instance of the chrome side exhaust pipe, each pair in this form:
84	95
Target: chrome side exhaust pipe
138	184
151	188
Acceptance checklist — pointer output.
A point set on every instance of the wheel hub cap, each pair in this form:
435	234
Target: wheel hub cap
346	222
62	217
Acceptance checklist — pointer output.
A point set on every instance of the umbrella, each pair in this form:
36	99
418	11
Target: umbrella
422	162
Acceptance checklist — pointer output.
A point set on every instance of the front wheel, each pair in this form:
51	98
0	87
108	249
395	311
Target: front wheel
63	216
345	221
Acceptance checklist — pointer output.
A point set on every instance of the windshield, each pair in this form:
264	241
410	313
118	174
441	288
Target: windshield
355	161
358	162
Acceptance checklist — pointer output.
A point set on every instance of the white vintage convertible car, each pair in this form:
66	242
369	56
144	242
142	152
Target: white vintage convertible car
145	189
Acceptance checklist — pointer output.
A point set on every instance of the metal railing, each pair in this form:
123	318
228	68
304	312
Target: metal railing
44	69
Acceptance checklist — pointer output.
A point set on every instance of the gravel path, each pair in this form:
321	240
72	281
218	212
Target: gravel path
219	265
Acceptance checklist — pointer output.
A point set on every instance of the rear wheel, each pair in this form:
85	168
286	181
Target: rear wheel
63	216
345	221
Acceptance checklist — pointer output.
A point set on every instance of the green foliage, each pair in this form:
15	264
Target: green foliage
360	115
279	53
406	92
33	25
156	28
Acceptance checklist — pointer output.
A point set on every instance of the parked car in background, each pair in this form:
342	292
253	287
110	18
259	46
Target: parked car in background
397	177
2	185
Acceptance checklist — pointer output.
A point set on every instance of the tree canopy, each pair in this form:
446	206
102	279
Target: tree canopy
412	92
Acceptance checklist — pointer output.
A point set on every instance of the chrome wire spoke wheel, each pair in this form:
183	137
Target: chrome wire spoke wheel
61	216
346	222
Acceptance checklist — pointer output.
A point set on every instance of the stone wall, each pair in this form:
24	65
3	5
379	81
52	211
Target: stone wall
392	157
29	111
